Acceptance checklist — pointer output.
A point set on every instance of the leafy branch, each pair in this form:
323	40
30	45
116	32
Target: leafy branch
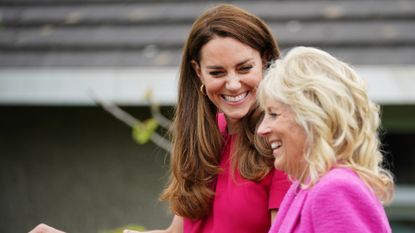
142	131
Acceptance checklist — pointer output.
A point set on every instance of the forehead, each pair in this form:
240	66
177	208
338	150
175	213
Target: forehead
226	49
275	104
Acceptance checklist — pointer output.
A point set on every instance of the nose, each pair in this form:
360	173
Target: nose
233	82
263	129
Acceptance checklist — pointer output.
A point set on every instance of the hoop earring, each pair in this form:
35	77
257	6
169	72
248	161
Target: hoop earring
202	89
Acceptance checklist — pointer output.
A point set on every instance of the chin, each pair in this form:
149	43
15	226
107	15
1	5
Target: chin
235	117
235	111
236	114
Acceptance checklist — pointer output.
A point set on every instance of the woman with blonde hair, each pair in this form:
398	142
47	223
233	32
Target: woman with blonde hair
323	130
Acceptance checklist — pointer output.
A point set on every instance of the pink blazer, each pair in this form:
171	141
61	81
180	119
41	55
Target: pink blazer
339	202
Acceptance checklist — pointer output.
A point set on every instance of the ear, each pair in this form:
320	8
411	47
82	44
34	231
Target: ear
197	69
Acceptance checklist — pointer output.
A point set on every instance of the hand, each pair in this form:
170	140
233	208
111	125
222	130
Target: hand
43	228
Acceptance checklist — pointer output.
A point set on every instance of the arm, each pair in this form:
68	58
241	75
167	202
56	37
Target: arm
176	226
273	215
279	187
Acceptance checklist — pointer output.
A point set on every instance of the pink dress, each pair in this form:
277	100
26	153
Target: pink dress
240	205
339	202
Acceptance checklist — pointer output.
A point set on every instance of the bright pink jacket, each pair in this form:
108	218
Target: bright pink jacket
339	202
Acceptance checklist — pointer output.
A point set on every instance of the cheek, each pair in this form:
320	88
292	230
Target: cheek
300	141
256	78
213	85
253	78
295	139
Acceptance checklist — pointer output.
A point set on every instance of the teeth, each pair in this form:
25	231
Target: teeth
275	145
235	98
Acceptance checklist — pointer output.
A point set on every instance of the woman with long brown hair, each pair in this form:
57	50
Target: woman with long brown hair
220	182
222	179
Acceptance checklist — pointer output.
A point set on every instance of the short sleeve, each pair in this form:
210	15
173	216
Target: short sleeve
279	187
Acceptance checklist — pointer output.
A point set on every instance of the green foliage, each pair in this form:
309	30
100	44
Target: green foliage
142	131
121	229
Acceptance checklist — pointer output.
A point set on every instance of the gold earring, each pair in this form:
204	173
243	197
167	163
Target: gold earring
202	87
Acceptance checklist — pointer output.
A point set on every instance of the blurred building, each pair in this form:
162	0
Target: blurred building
67	162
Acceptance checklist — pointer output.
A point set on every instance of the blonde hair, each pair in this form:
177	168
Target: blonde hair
331	103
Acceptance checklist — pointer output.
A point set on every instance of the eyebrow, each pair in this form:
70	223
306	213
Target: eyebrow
240	63
274	109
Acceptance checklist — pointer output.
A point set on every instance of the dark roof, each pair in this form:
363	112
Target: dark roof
56	33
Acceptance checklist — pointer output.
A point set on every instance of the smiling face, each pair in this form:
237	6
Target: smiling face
231	72
287	138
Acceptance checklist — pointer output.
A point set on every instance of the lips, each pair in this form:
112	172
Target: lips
275	146
234	99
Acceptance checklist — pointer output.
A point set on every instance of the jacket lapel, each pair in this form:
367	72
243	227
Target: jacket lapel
293	215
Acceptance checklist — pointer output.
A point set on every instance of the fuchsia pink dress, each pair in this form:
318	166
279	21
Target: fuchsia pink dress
240	205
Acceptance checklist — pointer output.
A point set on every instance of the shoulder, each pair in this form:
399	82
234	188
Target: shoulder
341	200
339	179
339	188
277	178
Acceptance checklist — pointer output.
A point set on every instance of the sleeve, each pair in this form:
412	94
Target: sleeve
279	187
343	206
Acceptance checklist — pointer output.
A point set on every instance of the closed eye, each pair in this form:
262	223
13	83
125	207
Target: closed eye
272	115
216	72
245	69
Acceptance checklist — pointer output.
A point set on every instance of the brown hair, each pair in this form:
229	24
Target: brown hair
196	143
